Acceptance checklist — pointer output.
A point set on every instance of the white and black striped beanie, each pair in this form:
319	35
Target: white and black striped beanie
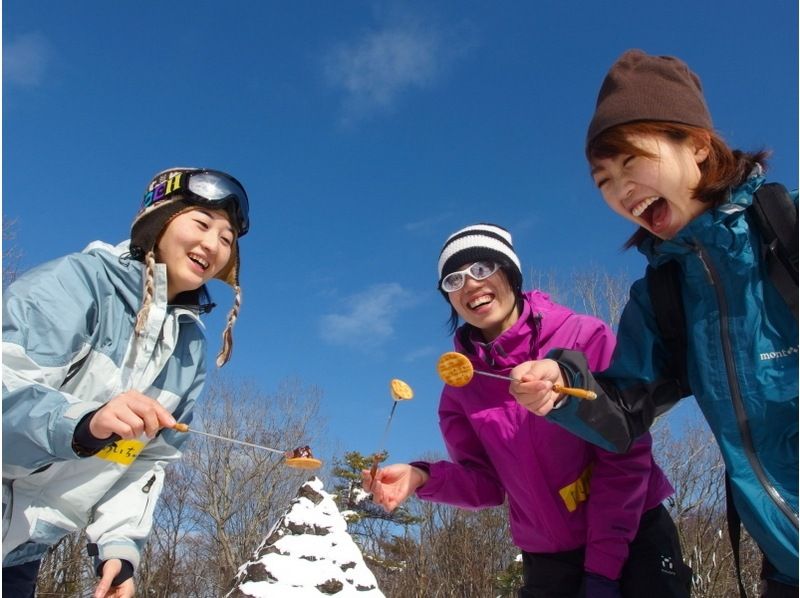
475	243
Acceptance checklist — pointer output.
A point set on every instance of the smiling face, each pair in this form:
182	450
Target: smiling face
195	246
488	304
654	187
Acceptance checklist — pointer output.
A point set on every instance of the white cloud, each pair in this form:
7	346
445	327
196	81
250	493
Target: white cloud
423	353
428	225
368	320
376	69
25	60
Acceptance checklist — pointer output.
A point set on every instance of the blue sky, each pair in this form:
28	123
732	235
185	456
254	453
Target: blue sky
364	133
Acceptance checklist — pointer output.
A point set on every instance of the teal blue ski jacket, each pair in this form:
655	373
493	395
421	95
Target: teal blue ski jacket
742	369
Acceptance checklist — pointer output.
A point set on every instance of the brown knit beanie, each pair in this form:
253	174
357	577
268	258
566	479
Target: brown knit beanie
641	87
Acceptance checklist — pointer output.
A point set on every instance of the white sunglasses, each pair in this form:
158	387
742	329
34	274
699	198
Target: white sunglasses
479	270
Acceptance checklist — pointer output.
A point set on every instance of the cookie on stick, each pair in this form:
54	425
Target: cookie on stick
455	369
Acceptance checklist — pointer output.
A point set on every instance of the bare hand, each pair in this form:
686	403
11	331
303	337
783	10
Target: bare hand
393	484
534	389
128	415
104	589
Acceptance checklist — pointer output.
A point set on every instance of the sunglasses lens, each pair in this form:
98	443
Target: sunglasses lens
481	270
452	282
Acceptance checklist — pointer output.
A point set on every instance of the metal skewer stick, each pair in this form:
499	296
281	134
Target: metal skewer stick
493	375
581	393
186	428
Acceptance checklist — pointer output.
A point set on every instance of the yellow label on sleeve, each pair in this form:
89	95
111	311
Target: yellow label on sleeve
123	452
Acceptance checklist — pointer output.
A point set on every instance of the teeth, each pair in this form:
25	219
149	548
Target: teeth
199	260
639	208
479	301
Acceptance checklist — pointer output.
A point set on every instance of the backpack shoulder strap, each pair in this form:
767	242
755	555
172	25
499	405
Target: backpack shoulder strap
664	286
734	533
775	215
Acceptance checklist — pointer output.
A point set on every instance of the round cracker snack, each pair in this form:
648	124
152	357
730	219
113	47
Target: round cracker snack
304	463
400	390
455	369
301	458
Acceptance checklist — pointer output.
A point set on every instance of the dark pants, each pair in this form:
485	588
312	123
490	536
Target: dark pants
771	588
654	569
19	581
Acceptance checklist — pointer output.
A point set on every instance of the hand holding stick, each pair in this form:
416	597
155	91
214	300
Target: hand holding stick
400	391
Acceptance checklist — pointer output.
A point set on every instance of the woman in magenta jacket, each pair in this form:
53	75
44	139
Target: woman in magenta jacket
589	522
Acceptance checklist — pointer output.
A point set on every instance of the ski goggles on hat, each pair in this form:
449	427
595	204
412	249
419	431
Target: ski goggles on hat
479	270
210	188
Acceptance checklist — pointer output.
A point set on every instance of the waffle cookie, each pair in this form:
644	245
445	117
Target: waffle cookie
455	369
400	390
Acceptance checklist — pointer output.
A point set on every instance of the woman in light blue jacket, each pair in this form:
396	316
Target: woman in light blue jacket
94	367
658	163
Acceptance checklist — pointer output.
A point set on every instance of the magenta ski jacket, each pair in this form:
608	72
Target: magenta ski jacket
563	492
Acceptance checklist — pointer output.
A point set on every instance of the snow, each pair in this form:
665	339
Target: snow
308	553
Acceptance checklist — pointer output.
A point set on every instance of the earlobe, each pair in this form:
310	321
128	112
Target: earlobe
702	150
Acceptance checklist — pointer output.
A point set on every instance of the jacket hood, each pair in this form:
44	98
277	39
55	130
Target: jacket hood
123	272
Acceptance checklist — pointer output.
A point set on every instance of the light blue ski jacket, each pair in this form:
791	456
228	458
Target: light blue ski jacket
69	347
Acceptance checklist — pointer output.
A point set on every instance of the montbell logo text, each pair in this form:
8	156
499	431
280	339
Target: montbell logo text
778	354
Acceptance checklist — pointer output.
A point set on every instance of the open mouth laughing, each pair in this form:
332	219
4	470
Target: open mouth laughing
654	211
199	261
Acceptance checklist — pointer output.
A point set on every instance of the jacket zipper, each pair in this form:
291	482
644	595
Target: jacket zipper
149	484
146	490
736	395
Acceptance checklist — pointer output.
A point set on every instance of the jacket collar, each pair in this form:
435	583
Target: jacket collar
510	348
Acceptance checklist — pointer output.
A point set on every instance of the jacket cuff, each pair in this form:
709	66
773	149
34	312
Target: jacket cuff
432	486
423	465
125	573
124	550
84	443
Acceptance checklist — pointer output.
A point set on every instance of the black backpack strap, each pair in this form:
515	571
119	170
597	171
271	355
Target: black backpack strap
734	532
775	215
664	286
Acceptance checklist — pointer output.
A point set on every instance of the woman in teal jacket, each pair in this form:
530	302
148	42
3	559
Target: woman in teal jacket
658	163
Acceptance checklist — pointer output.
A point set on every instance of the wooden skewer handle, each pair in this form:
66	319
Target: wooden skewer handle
581	393
181	427
373	470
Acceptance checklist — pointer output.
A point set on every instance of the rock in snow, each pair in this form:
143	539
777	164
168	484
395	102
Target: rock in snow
308	553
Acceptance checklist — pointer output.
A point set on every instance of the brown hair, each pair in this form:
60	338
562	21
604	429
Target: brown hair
723	169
